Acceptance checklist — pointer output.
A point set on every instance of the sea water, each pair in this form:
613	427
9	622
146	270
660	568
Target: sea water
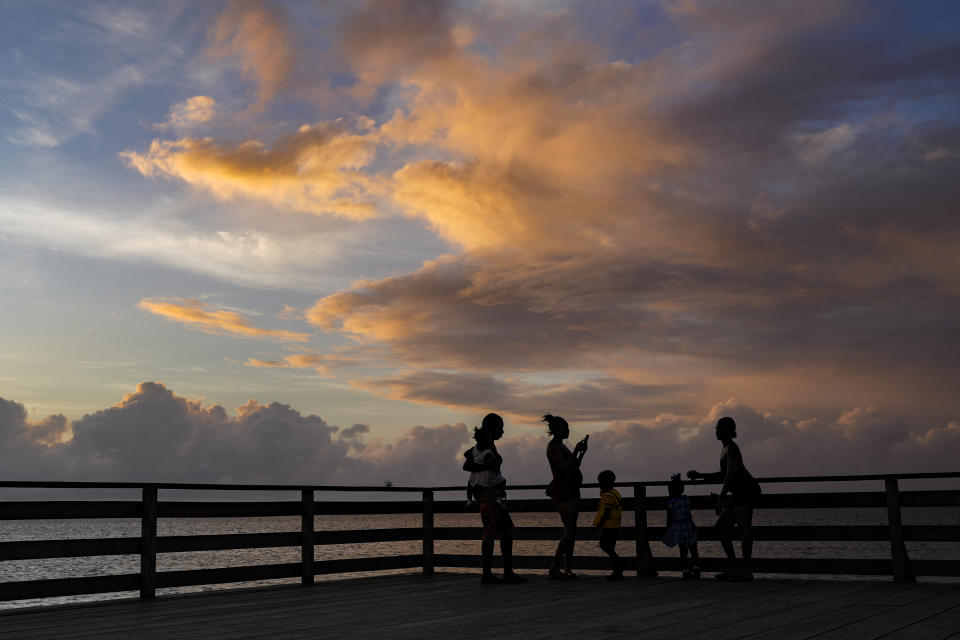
17	570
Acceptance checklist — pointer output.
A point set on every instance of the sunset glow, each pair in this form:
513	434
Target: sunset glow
302	241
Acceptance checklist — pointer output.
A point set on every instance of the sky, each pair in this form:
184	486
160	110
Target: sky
316	242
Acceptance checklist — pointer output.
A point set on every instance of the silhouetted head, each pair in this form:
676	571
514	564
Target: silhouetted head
606	479
726	428
483	437
675	488
557	426
493	424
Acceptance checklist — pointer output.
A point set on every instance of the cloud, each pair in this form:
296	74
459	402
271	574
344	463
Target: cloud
304	259
816	147
716	210
56	109
293	361
200	315
348	359
597	400
314	170
111	52
753	200
563	173
256	36
384	38
29	448
155	435
191	112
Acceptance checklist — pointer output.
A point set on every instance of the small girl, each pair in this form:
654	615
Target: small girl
681	531
489	479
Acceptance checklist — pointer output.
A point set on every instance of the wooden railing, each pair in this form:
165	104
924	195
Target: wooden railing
149	509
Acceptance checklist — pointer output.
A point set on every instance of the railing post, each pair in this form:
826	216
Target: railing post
148	544
306	536
898	550
428	532
644	556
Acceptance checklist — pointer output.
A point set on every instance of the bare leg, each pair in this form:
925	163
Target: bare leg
695	561
744	518
683	557
724	528
568	515
609	546
506	550
486	554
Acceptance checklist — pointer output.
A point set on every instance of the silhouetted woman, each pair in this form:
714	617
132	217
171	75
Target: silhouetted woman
564	491
744	491
497	522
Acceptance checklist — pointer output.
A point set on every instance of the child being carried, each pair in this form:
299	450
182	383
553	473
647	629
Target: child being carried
488	485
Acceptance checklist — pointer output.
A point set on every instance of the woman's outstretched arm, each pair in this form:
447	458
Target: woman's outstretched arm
716	476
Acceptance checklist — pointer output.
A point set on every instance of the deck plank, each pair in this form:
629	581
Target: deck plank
849	620
734	603
642	613
899	619
414	606
945	624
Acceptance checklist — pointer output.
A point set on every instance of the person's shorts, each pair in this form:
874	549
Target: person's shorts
496	520
747	496
743	500
560	493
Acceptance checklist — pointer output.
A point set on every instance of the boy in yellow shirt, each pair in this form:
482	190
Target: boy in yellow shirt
608	518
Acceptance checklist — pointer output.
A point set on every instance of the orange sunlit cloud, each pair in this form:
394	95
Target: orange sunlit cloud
518	204
294	361
592	205
199	315
255	36
313	170
191	112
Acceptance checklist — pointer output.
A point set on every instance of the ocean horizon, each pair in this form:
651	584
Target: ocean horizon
51	568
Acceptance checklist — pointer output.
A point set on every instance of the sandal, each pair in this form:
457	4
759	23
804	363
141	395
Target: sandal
556	575
570	574
726	576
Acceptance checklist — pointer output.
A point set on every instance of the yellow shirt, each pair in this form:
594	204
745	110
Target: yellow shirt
612	500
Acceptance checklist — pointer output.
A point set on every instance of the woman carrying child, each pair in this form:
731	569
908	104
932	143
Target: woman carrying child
564	491
488	488
681	531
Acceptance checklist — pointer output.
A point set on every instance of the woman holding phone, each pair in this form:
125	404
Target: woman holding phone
564	491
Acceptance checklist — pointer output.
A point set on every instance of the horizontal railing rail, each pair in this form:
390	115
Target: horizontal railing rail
149	509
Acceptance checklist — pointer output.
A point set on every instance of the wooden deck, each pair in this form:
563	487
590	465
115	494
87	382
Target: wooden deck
458	606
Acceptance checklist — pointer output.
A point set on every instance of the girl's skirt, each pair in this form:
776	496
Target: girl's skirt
681	533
